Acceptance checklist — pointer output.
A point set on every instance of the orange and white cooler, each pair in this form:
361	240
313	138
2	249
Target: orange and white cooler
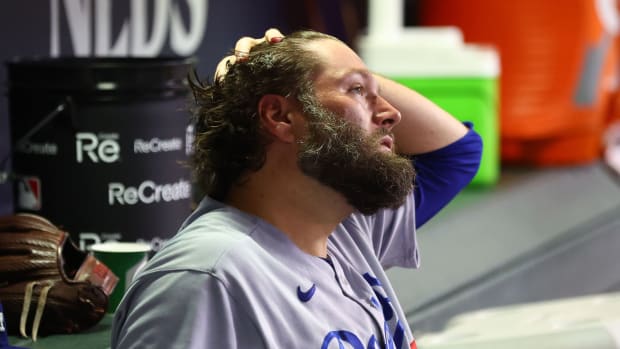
559	71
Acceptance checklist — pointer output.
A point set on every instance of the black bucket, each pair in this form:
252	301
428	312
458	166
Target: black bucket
100	145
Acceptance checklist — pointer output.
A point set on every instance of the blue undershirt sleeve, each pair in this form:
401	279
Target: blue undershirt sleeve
443	173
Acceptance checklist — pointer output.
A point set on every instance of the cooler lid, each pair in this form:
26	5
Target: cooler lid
428	52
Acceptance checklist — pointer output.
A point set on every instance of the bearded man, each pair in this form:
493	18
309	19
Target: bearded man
317	173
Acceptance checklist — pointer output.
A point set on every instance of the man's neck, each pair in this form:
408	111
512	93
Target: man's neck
299	206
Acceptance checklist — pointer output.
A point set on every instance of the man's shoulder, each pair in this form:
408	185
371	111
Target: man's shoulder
202	245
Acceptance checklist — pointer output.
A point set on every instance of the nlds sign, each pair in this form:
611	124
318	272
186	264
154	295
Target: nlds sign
89	23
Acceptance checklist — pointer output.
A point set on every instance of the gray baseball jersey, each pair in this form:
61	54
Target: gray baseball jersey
231	280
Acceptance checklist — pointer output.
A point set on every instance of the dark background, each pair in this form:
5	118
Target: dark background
26	30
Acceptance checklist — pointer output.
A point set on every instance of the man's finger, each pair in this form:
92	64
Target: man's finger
273	35
244	45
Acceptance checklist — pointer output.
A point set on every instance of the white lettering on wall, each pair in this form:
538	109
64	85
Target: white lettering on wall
185	42
103	147
140	41
90	27
148	192
79	16
103	31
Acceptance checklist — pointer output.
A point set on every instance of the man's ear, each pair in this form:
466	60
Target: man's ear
275	114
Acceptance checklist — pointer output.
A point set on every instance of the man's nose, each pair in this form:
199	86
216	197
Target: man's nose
385	114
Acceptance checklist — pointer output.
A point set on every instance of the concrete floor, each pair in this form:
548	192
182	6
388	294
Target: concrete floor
537	235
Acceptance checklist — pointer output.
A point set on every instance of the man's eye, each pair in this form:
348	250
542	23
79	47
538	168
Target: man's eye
358	89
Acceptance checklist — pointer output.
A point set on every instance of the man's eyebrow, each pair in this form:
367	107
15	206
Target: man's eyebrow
356	71
364	73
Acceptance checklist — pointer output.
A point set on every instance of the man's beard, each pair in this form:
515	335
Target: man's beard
342	156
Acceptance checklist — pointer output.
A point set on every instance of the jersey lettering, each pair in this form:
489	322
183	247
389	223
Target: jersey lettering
395	339
393	329
341	337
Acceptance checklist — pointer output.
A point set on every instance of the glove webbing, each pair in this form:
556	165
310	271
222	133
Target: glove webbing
46	286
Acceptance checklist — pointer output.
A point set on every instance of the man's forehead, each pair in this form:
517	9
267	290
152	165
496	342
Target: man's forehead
338	61
354	72
336	55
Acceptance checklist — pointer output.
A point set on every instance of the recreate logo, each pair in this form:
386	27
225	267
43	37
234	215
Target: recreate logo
148	192
101	147
29	193
157	145
39	148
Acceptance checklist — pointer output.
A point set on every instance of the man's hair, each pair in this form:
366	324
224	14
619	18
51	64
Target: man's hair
229	138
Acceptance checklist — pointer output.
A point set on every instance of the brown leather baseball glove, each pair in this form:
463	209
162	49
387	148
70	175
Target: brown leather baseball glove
47	284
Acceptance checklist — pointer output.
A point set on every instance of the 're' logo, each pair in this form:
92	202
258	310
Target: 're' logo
307	295
97	148
29	193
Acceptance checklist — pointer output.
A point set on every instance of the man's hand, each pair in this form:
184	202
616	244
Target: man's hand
243	48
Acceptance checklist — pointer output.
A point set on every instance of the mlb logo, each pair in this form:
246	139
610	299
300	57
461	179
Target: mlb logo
29	193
